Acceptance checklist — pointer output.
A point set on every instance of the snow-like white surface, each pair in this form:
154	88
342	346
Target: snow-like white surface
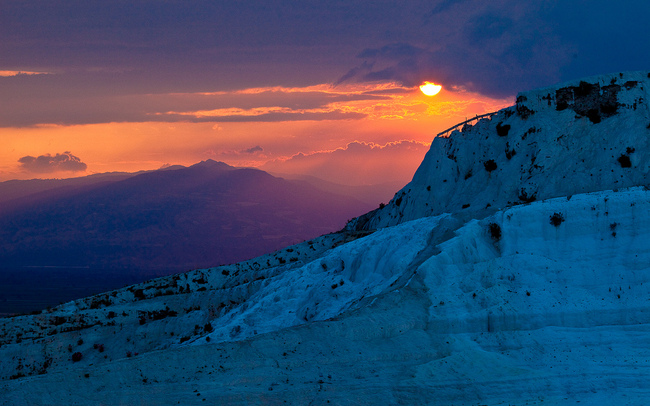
330	285
537	303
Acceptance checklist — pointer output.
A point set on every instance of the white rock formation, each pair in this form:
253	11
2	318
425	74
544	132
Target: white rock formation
582	136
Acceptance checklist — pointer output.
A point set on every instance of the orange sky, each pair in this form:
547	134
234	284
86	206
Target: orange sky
249	128
126	86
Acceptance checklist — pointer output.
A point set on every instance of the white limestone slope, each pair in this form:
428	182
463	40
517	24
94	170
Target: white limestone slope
522	302
543	314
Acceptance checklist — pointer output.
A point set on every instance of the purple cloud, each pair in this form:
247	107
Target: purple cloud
252	150
48	163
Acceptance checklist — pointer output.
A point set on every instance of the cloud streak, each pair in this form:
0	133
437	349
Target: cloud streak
358	163
47	163
270	104
10	73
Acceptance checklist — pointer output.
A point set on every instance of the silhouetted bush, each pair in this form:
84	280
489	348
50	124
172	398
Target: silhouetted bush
495	231
503	130
625	162
58	320
525	197
613	228
490	165
594	116
97	303
556	219
77	356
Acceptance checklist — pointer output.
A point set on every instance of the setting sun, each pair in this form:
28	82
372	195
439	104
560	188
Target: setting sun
430	89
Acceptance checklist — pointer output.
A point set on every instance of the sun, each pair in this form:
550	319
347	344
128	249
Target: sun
430	88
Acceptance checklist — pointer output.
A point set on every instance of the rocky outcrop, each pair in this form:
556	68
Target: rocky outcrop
583	136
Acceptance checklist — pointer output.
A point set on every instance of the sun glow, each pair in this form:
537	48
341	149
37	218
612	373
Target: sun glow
430	89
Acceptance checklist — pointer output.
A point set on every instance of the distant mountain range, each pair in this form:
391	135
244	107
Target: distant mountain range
167	220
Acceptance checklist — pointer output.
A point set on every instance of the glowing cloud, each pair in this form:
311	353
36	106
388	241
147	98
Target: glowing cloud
48	163
9	73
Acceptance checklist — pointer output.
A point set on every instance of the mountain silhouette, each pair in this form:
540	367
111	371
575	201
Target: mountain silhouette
168	220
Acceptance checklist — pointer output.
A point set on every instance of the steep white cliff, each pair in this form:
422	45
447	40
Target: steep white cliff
583	136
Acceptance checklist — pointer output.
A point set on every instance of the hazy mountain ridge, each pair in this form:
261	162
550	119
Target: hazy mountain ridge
171	219
18	193
540	299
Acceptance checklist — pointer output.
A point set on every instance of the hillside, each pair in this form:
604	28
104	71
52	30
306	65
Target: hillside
583	136
536	292
171	220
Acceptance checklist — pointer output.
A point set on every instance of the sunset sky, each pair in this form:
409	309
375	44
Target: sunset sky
324	88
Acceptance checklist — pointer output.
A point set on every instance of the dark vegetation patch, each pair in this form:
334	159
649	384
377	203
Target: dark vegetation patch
594	116
522	110
77	356
502	130
139	294
625	162
556	219
531	130
97	302
525	197
495	231
630	84
201	280
590	100
490	165
58	320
